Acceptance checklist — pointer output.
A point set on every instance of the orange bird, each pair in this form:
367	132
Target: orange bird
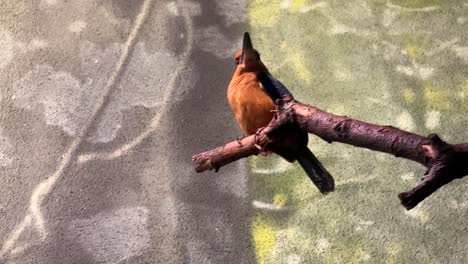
252	93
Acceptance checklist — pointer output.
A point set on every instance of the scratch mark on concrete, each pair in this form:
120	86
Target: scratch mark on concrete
35	217
15	235
154	124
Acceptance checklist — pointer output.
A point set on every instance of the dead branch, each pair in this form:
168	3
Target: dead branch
445	162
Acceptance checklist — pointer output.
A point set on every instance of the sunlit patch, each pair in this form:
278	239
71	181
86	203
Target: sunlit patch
264	13
416	70
407	53
296	60
465	87
462	20
413	45
461	52
322	245
6	150
267	206
280	167
296	5
36	44
360	255
393	250
291	232
293	259
354	180
280	199
409	95
364	256
343	74
417	3
436	98
405	121
363	225
172	8
432	119
405	69
51	2
339	29
454	204
418	214
408	177
285	4
8	47
77	26
315	6
425	9
302	6
388	17
425	72
264	239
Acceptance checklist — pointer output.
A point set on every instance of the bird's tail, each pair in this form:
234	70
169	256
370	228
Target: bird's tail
316	172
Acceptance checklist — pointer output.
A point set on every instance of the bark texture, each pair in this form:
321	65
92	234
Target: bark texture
444	162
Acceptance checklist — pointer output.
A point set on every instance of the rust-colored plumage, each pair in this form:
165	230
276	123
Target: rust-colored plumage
252	103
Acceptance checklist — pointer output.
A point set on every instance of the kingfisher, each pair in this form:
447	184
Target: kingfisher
252	95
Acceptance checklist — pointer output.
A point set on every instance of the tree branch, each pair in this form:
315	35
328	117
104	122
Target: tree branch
445	162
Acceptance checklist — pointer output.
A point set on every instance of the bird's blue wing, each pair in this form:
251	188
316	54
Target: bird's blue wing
274	88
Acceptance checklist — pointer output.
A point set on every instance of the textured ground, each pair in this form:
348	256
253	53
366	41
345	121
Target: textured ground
103	103
400	63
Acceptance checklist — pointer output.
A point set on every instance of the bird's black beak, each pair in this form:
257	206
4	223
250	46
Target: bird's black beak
247	48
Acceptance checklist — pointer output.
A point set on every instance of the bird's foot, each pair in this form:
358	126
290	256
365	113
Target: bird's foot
263	152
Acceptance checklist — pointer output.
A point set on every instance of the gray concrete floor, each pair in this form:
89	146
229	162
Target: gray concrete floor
102	105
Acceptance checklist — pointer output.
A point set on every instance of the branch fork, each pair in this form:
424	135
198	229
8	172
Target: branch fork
444	162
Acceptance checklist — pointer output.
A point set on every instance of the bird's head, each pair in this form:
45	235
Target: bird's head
248	59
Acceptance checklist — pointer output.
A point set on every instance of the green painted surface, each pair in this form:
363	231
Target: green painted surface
400	63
